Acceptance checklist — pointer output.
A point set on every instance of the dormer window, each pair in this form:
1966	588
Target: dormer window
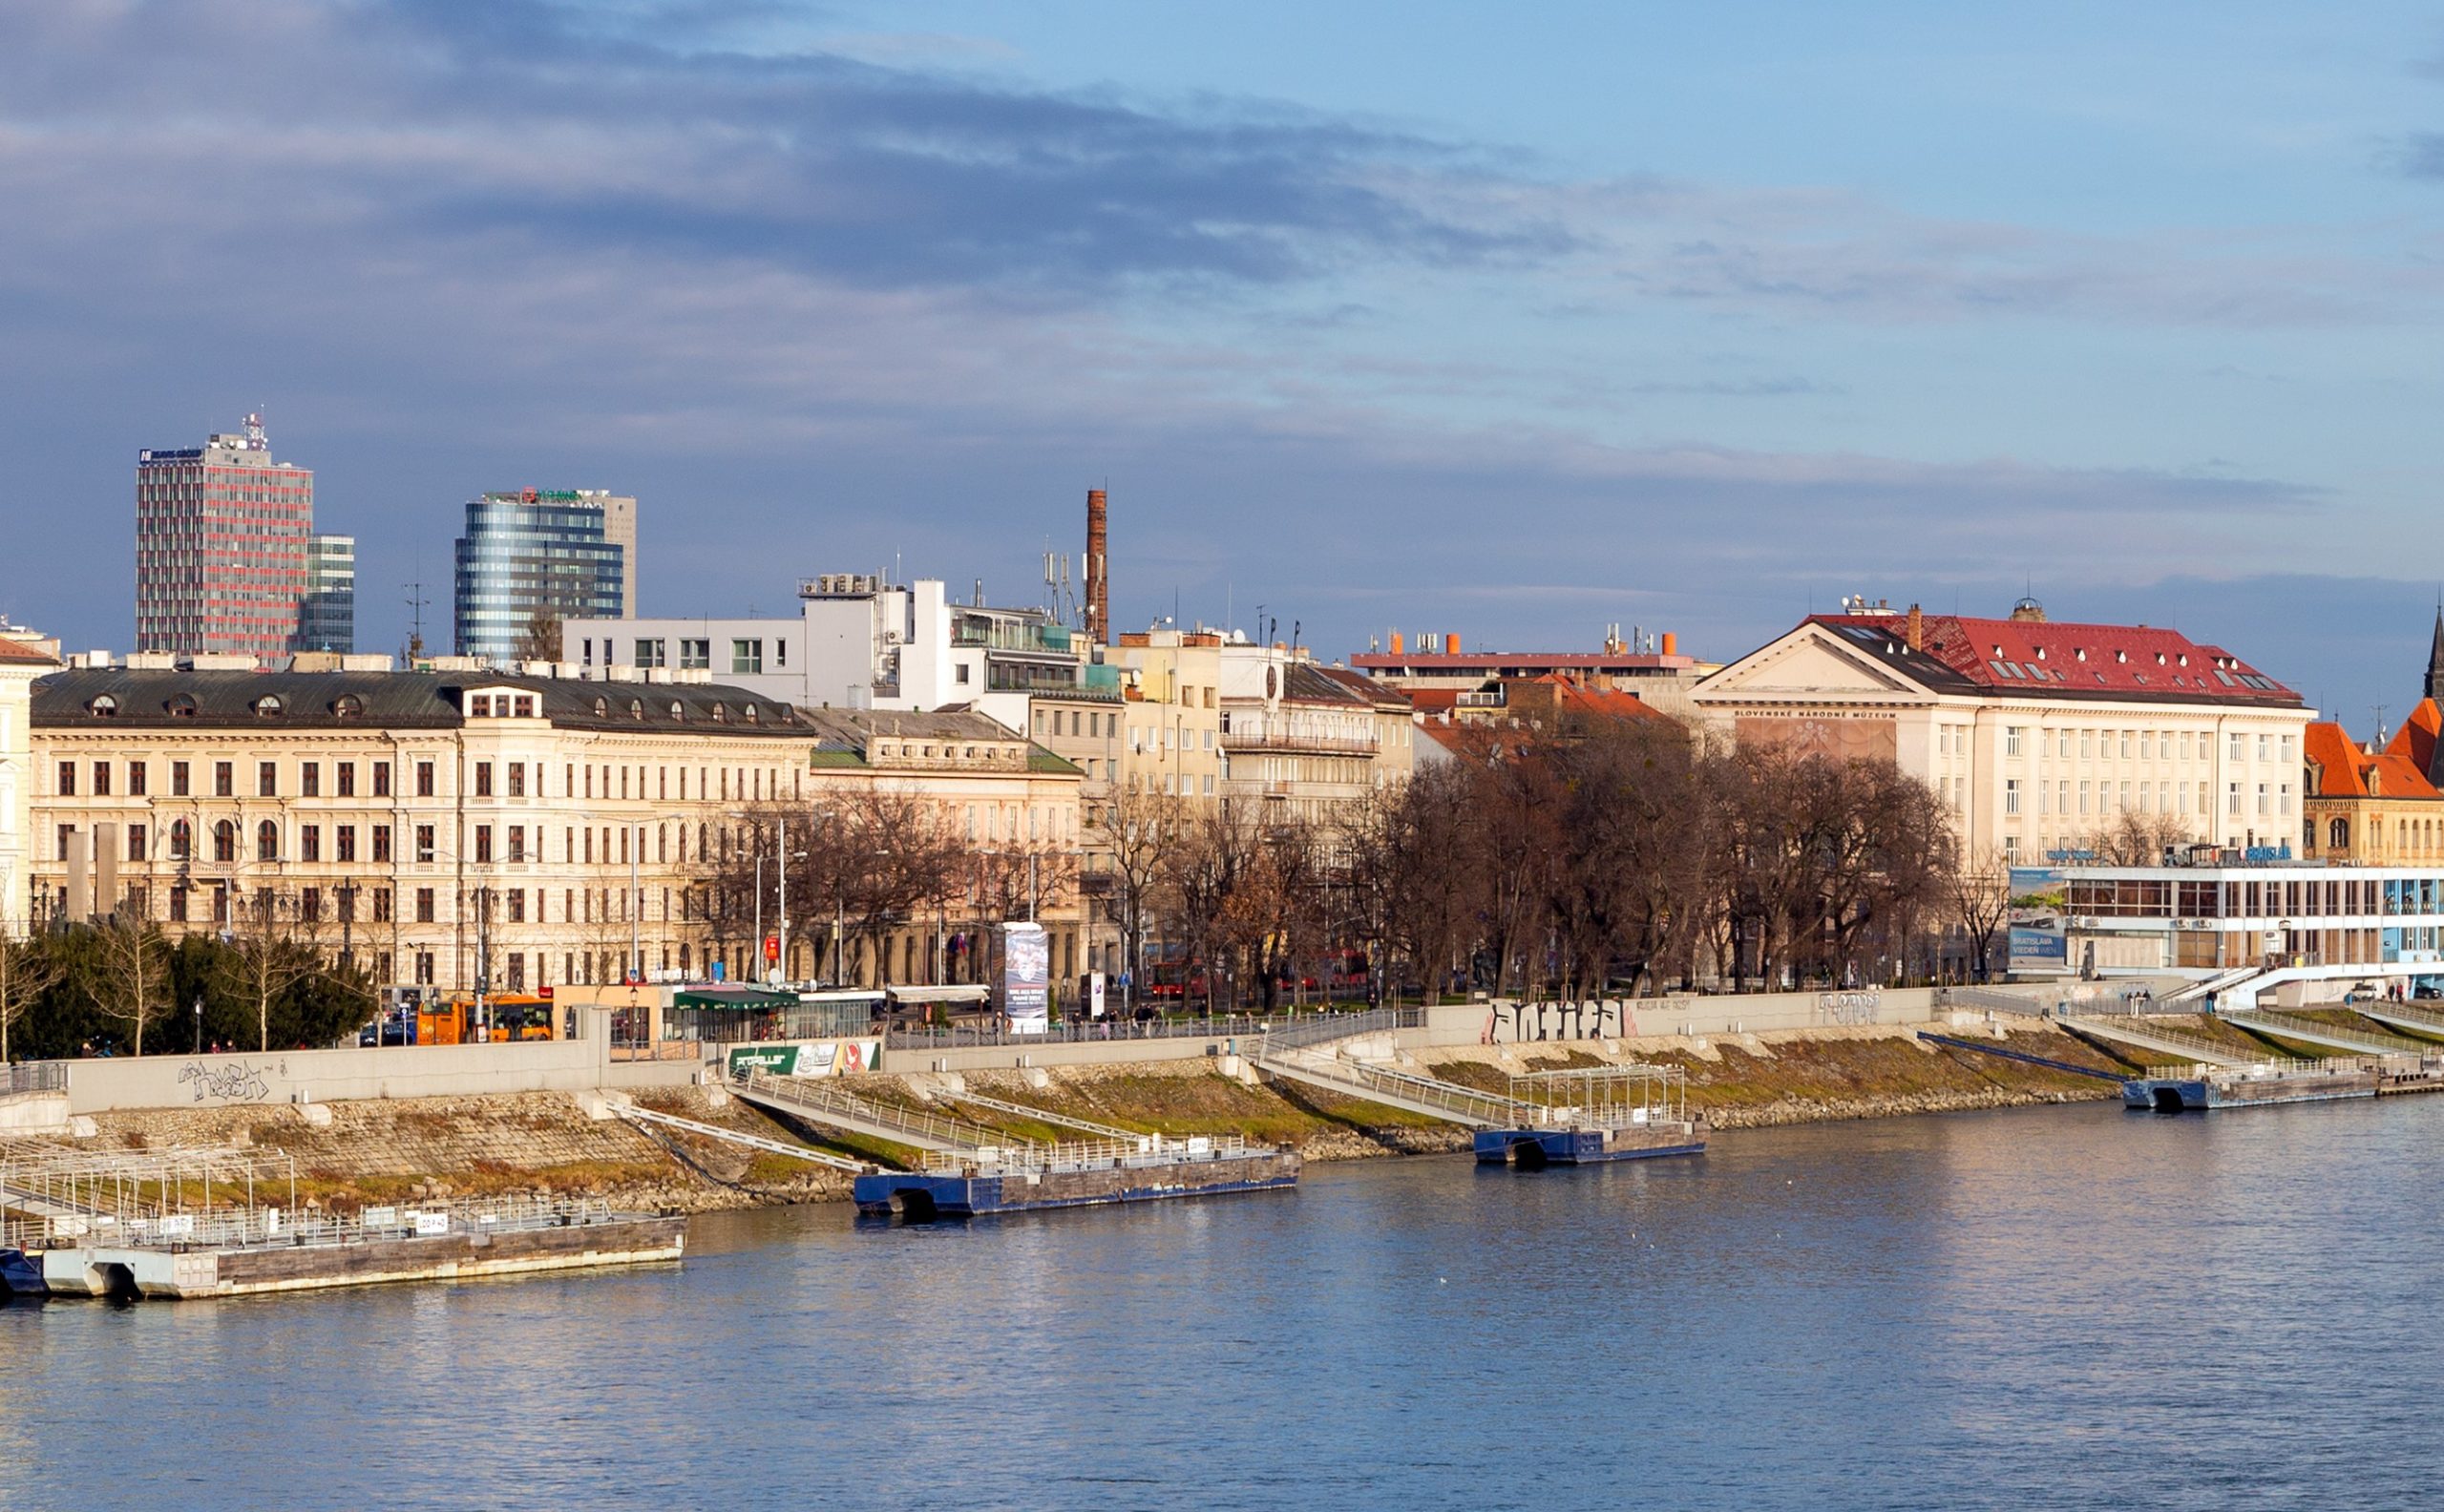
636	708
267	706
750	713
2040	653
479	707
103	707
601	707
2082	653
721	712
2121	656
182	707
2185	659
678	710
348	706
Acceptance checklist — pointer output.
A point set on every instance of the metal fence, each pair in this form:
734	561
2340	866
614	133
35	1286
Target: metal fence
271	1226
1097	1031
33	1076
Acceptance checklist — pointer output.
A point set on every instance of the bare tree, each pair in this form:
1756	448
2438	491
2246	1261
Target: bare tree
1136	832
27	970
539	641
1981	901
130	973
269	952
2131	838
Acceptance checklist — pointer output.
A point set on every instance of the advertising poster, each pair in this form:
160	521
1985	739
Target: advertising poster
1026	977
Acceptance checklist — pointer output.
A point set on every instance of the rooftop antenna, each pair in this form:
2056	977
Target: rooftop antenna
417	601
2378	743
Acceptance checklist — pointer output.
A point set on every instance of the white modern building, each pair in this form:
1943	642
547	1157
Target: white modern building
858	642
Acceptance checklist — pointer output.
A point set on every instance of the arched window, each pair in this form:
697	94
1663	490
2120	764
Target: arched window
721	712
224	841
103	707
636	708
181	840
182	707
601	707
267	706
267	841
348	705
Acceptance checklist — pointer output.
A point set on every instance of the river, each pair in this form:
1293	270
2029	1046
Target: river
2061	1307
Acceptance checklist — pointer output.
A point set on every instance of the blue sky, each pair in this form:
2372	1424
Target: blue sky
1511	324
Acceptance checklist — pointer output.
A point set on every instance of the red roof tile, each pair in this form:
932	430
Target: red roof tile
2345	770
2064	660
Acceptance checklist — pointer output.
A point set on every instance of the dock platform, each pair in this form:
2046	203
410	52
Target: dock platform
1589	1115
957	1188
2269	1083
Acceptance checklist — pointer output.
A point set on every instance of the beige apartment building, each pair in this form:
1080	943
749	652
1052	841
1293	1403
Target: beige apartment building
24	657
438	824
2036	734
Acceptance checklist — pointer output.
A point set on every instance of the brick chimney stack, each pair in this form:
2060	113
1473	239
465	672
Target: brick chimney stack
1098	582
1917	629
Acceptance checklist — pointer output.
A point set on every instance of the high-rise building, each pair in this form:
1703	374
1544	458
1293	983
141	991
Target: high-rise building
221	545
536	557
326	616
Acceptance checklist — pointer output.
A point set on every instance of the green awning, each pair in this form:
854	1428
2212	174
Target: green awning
731	997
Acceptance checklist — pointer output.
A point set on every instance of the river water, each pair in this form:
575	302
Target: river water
2059	1307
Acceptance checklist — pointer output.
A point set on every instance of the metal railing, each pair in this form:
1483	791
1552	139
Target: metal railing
2309	1030
239	1228
1991	997
1468	1105
823	1101
1097	1031
1129	1154
1322	1028
33	1076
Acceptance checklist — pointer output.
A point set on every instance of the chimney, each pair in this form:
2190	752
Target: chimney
1098	585
1670	643
1396	643
1451	644
1917	629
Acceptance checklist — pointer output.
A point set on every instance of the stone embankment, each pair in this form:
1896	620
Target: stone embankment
351	1153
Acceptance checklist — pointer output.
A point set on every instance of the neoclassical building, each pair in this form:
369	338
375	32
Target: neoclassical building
2037	734
435	824
23	657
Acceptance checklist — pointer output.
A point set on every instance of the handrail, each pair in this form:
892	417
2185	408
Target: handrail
33	1076
819	1095
646	1115
2118	1026
1048	1116
2270	1021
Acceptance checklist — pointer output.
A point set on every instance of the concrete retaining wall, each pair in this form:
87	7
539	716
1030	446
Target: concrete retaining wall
1092	1052
331	1076
1508	1023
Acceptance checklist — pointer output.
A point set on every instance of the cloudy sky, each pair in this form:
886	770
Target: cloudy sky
1510	322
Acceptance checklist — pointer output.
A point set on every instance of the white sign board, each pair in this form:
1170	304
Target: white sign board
431	1223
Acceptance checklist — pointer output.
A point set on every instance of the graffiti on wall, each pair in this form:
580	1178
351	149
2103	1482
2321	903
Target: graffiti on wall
232	1080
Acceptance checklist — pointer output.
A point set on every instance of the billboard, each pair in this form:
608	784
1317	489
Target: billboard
1026	977
2040	949
821	1058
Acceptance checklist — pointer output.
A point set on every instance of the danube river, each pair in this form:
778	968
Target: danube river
2062	1307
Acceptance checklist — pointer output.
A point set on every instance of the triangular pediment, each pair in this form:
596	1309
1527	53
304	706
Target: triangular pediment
1810	662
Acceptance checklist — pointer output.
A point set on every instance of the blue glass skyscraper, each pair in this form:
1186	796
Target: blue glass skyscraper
534	557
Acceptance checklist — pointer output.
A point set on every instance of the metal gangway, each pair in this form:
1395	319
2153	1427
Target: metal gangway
822	1100
630	1111
2125	1029
2407	1016
1308	1054
2207	987
1048	1116
2309	1030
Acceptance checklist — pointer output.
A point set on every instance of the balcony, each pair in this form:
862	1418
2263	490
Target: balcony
1275	739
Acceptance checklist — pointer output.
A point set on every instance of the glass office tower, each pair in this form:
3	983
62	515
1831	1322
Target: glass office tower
534	557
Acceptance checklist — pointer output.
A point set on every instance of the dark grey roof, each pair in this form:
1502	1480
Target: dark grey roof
395	701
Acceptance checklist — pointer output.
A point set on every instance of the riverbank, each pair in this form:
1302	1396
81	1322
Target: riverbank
545	1144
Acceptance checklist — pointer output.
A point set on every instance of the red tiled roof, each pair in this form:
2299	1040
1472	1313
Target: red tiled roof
2345	770
21	652
2416	741
2044	658
1607	702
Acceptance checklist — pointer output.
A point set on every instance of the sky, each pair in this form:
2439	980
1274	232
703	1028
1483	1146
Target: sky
1512	323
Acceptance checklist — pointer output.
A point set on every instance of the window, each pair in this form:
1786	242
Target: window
516	906
309	780
424	906
517	842
136	842
266	779
101	779
423	843
2261	805
382	842
780	653
2232	750
344	775
2125	744
2083	797
2011	734
483	843
518	779
67	779
483	779
959	673
650	653
382	779
381	905
181	840
344	842
179	780
177	904
267	840
424	968
2232	793
695	653
2263	744
2338	834
424	779
224	842
2011	795
746	656
310	842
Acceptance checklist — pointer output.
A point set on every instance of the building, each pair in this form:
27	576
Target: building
538	557
2313	929
24	657
1309	738
2380	807
858	642
2038	735
1439	677
326	616
447	827
222	546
